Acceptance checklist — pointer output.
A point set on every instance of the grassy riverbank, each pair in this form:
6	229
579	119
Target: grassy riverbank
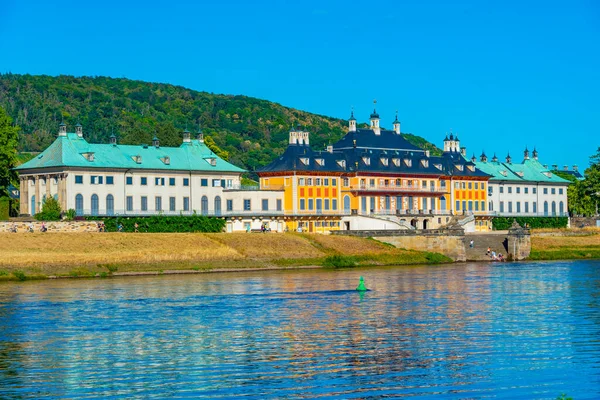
39	256
565	244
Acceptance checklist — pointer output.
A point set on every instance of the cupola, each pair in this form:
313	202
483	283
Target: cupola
397	124
535	154
62	129
473	159
113	139
483	157
200	134
155	142
494	159
508	158
352	122
374	118
526	154
79	130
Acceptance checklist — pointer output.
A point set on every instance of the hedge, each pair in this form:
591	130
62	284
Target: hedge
503	223
4	208
158	223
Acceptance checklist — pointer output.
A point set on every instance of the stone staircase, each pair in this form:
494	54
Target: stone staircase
497	241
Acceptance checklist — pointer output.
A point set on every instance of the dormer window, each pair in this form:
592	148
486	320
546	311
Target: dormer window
520	173
166	160
304	160
212	161
548	174
425	163
89	156
320	161
137	159
408	162
459	167
438	166
471	168
366	160
384	161
396	161
504	173
341	163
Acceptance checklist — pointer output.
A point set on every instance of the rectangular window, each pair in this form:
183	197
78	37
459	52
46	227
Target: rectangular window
247	205
476	206
129	180
229	205
144	203
545	190
534	207
501	206
229	183
171	203
334	204
203	182
483	206
510	189
482	186
534	190
464	185
279	205
110	180
553	191
308	181
510	206
518	189
470	185
501	189
265	204
144	181
470	205
464	205
457	205
158	203
560	191
93	180
424	184
129	203
311	204
301	181
79	179
159	181
186	181
518	206
326	182
302	204
317	181
171	181
346	182
477	185
526	190
216	183
186	204
326	204
490	190
526	206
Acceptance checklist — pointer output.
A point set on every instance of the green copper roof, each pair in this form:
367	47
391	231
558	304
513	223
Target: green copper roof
530	170
73	151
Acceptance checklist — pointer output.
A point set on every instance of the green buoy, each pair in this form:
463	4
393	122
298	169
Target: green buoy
361	285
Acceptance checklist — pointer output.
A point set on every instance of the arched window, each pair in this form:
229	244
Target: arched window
561	208
553	208
79	204
95	204
55	197
546	208
218	205
443	202
110	205
33	205
204	205
347	203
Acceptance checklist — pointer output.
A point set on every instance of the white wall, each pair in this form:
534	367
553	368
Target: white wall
539	197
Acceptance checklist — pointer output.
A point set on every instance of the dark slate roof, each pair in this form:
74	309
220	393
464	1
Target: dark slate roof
366	138
404	159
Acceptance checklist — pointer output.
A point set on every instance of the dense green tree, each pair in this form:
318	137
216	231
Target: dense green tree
592	179
8	152
50	210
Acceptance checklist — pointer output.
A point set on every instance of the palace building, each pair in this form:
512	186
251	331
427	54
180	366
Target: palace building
375	179
115	179
527	188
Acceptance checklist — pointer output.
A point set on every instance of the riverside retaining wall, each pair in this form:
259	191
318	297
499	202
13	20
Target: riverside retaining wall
53	226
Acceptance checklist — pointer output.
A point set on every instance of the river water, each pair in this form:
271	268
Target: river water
460	331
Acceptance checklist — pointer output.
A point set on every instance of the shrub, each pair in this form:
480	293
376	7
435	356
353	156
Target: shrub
70	214
503	223
4	208
20	275
160	223
50	210
340	261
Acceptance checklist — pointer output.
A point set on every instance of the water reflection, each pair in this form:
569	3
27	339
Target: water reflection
461	331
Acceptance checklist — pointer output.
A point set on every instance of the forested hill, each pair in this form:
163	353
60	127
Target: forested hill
249	132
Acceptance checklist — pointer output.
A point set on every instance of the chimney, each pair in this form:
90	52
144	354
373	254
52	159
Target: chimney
155	142
397	124
508	158
535	154
545	166
483	157
473	159
113	139
186	136
555	167
565	167
62	129
330	149
463	152
354	143
494	159
575	168
526	154
200	134
79	130
427	153
352	122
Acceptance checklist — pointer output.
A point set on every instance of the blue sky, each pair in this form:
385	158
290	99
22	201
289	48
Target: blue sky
503	75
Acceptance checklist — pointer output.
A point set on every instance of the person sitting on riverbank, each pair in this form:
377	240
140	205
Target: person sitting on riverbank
43	227
31	227
489	250
13	228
